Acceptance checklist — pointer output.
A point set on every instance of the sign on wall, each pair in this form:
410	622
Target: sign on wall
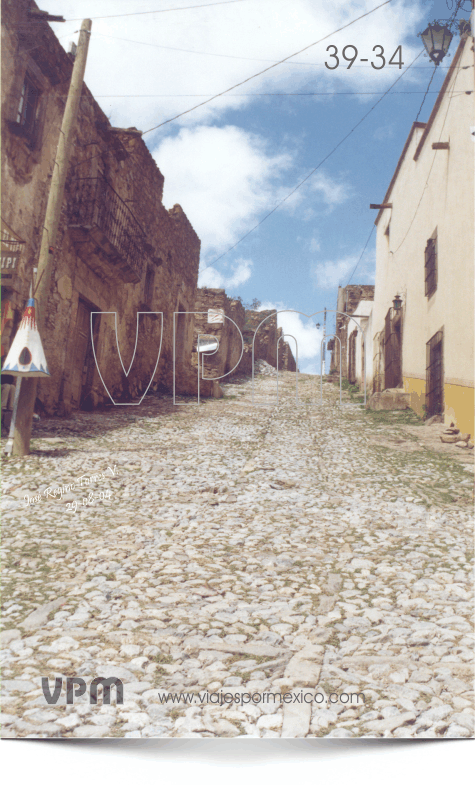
215	316
11	246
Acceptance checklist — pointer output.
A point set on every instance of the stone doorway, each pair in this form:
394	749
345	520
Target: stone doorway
83	356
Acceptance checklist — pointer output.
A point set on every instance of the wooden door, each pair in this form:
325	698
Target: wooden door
435	374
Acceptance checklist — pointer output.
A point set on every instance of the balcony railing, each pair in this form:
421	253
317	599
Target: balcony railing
103	225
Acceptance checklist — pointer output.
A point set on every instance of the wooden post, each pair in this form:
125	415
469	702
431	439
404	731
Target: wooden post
26	401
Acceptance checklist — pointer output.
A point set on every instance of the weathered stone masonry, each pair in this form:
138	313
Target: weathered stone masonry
118	249
226	359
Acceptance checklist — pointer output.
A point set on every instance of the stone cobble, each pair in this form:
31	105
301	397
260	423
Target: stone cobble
239	548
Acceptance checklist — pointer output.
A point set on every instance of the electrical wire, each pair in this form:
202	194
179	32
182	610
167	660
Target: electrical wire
361	255
433	160
431	168
231	57
299	185
274	65
159	11
251	95
426	93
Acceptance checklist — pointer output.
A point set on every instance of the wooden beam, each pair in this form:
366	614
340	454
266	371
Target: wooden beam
381	207
440	145
44	16
130	131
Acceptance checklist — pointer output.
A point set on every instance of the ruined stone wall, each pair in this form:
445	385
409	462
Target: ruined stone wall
347	302
89	271
226	358
266	339
286	358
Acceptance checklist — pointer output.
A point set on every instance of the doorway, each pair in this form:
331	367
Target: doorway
392	351
83	357
435	374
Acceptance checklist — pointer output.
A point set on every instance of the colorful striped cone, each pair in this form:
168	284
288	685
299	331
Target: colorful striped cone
26	356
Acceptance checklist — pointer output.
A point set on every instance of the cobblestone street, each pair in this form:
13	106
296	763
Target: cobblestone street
233	548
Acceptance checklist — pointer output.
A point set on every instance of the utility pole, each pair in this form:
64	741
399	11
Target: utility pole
472	25
27	395
323	345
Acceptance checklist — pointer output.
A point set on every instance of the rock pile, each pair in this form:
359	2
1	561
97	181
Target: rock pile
453	435
264	368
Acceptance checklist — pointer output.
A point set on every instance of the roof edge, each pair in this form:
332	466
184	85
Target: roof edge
414	126
442	91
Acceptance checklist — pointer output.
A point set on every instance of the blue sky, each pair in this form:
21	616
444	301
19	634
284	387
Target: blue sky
230	162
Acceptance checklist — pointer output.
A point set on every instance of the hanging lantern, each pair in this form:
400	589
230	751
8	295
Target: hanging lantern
397	303
26	356
436	39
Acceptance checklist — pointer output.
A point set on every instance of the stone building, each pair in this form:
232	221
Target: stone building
216	339
216	313
118	249
261	327
423	315
348	347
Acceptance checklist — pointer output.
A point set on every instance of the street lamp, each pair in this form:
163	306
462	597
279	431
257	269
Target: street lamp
436	39
397	303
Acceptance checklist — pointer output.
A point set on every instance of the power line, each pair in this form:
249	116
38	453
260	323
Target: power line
426	93
268	68
452	18
361	255
430	170
160	11
431	166
231	57
250	95
315	168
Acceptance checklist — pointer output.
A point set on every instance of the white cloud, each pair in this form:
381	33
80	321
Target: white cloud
247	36
302	329
332	273
314	244
222	177
330	190
241	272
320	190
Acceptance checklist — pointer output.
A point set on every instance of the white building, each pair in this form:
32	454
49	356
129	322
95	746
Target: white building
425	255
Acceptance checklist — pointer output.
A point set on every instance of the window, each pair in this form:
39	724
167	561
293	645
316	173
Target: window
27	107
430	266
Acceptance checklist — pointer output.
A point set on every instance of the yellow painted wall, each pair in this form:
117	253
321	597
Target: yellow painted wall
459	407
459	402
417	389
433	193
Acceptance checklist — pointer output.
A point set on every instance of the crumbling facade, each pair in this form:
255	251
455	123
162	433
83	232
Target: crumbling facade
219	324
118	249
269	344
